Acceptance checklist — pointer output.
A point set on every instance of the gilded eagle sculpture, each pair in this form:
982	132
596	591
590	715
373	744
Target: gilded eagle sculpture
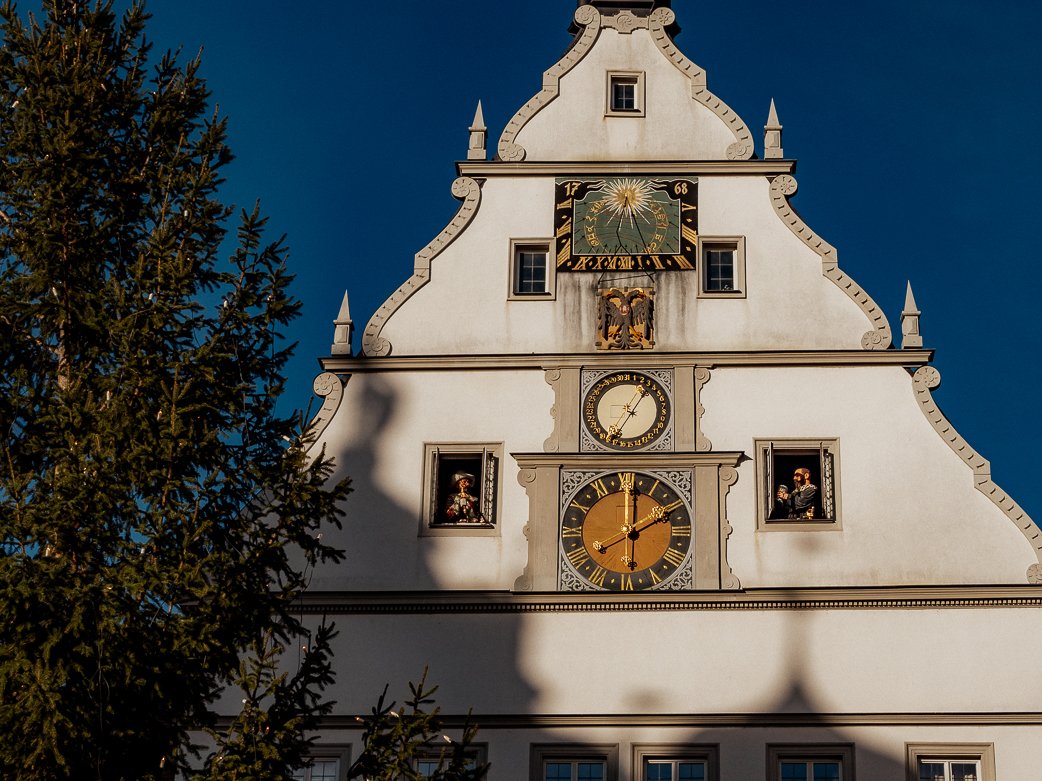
624	318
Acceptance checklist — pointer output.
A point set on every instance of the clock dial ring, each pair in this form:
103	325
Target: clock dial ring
613	547
626	411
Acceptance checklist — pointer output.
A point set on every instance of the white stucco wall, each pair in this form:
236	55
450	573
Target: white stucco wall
788	305
719	661
910	511
377	438
675	127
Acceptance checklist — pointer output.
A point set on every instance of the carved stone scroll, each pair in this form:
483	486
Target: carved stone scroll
464	189
702	443
742	148
329	387
590	19
880	337
927	378
728	477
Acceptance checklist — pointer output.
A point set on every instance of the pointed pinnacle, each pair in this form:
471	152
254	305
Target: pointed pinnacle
772	118
910	307
345	311
479	121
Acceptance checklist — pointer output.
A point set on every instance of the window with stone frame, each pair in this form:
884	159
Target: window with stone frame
950	761
804	762
448	504
676	762
797	483
574	762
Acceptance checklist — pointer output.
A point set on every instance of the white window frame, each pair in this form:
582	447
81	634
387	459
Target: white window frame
827	449
517	246
615	76
981	753
476	752
645	753
491	454
734	243
543	753
843	753
328	752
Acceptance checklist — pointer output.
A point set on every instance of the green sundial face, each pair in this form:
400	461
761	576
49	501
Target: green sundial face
626	223
626	217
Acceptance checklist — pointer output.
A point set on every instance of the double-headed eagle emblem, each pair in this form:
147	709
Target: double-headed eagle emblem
624	318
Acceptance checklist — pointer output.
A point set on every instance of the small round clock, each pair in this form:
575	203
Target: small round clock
627	531
626	410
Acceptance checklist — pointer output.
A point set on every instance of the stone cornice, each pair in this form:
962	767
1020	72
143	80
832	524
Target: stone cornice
580	720
845	598
340	364
485	170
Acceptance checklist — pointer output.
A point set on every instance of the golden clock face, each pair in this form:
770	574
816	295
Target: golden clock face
626	411
626	531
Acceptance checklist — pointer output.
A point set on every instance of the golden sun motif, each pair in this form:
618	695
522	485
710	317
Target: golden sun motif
627	197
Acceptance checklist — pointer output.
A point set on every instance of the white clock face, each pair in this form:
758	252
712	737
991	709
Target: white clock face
624	406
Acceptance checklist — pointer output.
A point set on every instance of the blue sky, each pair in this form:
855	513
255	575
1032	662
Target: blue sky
913	122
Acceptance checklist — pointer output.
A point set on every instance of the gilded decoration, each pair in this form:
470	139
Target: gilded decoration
625	318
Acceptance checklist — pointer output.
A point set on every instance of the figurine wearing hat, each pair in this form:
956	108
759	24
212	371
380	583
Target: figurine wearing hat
461	507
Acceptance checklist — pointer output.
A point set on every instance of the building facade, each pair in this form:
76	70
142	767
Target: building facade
654	487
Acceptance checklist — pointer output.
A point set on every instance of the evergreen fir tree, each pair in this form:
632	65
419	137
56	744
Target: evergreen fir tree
157	513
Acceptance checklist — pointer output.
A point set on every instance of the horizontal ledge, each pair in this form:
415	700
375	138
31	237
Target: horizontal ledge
723	720
846	598
594	168
727	720
625	360
634	460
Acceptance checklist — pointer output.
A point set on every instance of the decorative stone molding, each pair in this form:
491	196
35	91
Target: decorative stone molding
590	19
627	360
479	170
742	148
879	338
330	389
702	443
728	476
927	378
552	444
565	411
952	597
463	189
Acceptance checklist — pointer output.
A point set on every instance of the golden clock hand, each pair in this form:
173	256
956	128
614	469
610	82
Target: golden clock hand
627	516
631	409
651	518
600	546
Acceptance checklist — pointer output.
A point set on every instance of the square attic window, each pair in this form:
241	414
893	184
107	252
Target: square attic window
625	94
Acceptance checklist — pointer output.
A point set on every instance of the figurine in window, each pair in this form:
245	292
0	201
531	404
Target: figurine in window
461	507
799	503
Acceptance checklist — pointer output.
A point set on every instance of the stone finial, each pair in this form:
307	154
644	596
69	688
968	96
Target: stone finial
772	147
478	137
910	336
344	327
